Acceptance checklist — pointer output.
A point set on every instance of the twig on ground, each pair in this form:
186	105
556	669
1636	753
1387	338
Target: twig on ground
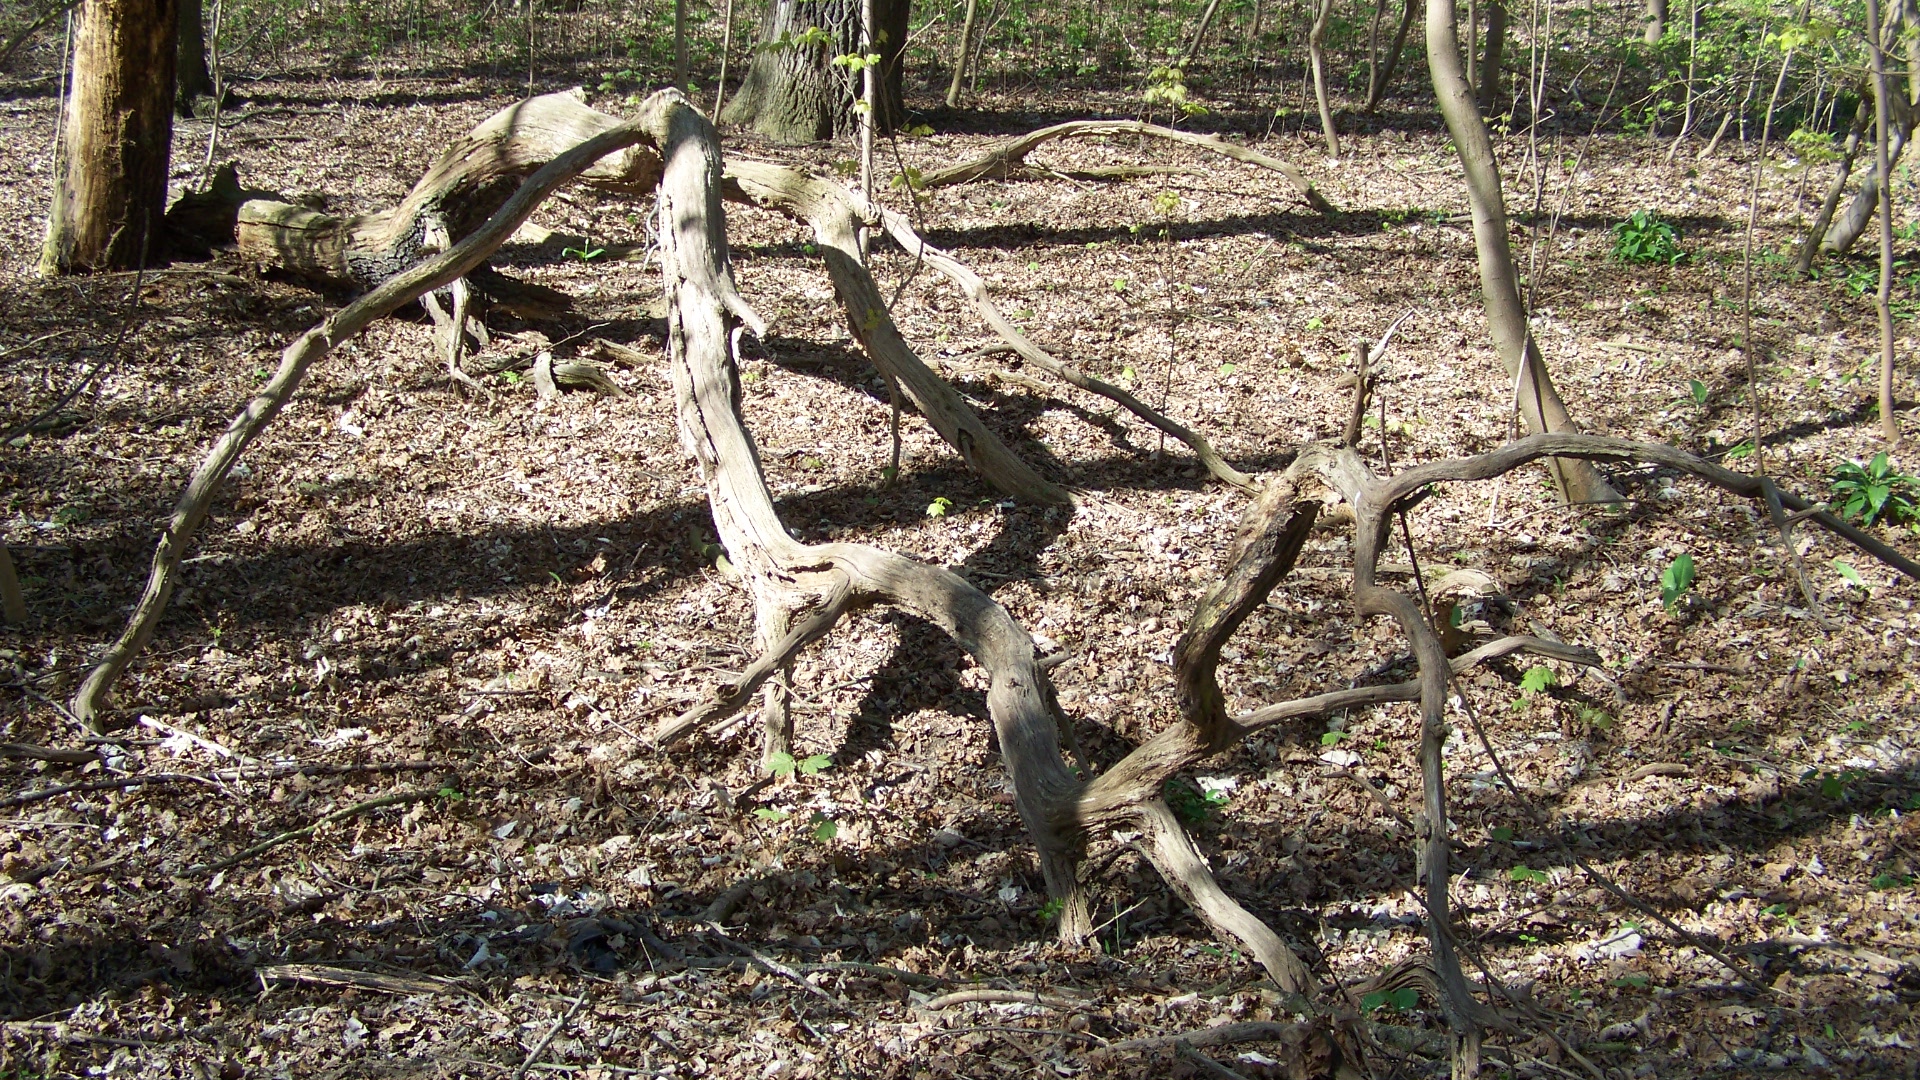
540	1047
1006	997
390	799
1206	1064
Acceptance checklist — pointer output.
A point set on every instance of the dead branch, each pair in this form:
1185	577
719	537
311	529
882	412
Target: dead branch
976	292
91	699
830	210
392	799
1006	997
1007	158
1603	448
698	278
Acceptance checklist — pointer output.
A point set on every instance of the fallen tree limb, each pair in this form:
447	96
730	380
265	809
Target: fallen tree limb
1007	158
1007	997
829	209
698	277
392	799
976	292
91	699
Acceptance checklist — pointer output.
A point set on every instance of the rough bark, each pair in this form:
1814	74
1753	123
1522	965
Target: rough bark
1883	299
193	80
793	93
1383	77
1539	403
1849	227
111	196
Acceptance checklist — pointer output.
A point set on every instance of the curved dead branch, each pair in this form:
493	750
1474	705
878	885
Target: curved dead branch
698	276
975	289
1010	156
1604	448
830	211
91	699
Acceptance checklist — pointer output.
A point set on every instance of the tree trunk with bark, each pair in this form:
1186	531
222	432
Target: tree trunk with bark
1493	56
1656	21
193	78
1383	76
1316	51
111	196
1539	404
960	57
794	93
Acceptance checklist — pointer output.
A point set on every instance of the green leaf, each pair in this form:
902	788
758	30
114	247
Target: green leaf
1503	834
1848	572
1528	876
811	766
768	813
1699	391
939	506
1332	738
781	764
1228	369
1538	679
1401	1000
1675	580
824	828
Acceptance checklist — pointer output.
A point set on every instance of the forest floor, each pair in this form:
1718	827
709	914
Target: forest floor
483	602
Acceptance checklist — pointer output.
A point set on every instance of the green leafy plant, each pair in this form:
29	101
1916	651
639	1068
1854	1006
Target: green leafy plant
1528	876
1699	391
1675	580
1644	238
451	794
1887	879
824	827
1189	803
1874	490
1051	910
940	506
584	254
768	813
1851	575
784	764
1501	833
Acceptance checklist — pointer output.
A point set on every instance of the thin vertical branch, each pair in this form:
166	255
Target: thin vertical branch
1746	269
1889	423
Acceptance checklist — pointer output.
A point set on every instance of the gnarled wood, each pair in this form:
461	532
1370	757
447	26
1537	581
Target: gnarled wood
471	179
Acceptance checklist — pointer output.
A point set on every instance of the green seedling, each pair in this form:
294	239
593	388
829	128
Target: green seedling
1869	492
940	506
1402	1000
1675	580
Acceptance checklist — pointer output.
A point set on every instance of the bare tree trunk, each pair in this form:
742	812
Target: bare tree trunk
1377	88
1540	406
109	202
793	94
1656	21
1496	49
1866	202
1316	48
1810	245
960	59
1889	423
1199	32
194	81
1473	44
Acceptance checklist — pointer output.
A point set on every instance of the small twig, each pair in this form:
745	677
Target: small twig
270	843
1005	997
1600	879
774	966
540	1047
